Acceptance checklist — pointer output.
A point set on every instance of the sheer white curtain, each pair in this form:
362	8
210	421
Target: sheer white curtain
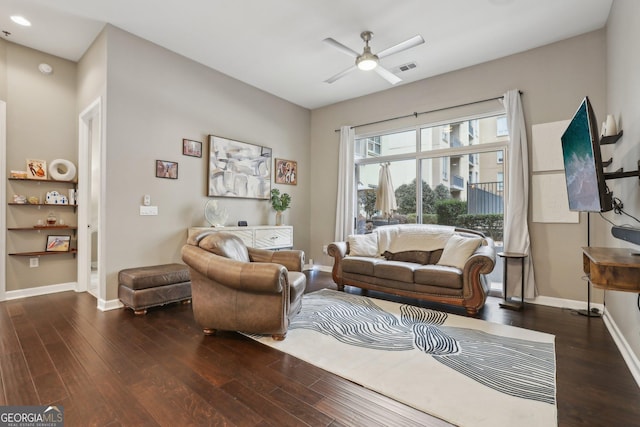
516	228
346	194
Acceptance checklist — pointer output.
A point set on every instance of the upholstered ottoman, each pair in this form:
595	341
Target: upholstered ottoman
143	287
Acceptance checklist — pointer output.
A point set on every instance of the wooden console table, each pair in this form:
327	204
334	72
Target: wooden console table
615	269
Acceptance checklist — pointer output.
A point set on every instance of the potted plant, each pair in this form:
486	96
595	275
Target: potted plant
280	203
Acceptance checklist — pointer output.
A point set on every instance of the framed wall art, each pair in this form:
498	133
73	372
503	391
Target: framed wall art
166	169
36	169
286	172
58	243
238	169
191	148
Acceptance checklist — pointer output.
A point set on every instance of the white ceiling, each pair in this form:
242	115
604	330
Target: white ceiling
277	45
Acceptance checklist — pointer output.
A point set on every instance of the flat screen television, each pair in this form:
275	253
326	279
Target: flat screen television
586	186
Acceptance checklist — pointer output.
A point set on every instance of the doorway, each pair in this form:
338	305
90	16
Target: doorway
91	276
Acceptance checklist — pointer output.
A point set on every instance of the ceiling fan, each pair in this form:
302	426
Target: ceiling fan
367	60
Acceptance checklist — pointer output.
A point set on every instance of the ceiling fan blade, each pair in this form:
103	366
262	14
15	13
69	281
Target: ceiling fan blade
342	48
341	74
407	44
387	75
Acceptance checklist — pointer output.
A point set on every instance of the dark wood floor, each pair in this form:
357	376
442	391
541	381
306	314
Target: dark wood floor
113	368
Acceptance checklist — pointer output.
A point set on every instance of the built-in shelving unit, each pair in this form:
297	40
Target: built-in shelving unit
43	185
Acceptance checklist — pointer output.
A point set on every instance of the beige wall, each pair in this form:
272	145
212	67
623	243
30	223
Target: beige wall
41	124
623	95
554	80
155	99
3	69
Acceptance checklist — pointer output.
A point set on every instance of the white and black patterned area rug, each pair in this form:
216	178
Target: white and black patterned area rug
466	371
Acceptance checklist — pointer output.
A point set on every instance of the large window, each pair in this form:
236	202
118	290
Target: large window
445	173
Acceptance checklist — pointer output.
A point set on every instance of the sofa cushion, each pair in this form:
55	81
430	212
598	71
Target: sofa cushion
418	257
359	265
226	245
458	250
363	245
438	275
395	270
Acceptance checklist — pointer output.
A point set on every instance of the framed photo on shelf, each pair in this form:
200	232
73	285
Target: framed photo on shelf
58	243
166	169
286	172
36	169
191	148
238	169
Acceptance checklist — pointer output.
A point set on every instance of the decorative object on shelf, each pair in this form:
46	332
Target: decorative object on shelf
72	196
166	169
51	218
19	174
55	198
33	200
610	128
238	169
58	243
280	203
36	169
19	199
62	170
215	216
191	148
286	172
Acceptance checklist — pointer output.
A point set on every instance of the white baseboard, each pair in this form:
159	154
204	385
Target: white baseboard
563	303
625	349
40	290
317	267
104	305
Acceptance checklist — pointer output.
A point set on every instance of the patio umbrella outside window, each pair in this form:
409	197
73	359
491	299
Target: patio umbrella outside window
385	196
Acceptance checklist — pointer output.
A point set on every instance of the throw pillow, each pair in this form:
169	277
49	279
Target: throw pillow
458	250
226	245
363	245
418	257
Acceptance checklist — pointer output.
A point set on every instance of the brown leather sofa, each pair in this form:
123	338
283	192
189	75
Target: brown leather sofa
238	288
428	262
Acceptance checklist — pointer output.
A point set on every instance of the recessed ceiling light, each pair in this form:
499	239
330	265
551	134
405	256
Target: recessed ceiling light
21	20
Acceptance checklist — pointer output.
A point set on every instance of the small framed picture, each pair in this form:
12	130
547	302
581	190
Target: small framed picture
166	169
286	172
191	148
58	243
36	169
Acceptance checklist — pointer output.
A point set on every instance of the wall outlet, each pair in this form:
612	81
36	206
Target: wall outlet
34	262
324	250
310	261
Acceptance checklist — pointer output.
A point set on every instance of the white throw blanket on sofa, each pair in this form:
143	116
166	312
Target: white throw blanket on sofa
419	237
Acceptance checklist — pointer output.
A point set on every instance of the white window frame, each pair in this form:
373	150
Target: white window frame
440	152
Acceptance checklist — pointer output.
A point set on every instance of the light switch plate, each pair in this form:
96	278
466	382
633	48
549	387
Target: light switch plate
148	210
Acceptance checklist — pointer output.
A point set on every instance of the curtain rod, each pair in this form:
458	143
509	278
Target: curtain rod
416	114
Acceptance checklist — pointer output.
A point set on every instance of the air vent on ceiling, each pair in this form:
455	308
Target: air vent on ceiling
405	67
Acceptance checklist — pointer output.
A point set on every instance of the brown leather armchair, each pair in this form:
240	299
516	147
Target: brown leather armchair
238	288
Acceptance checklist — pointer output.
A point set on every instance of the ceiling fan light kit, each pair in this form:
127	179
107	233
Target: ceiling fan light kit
367	61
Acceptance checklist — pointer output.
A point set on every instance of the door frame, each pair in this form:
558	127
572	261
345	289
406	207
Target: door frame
91	123
3	199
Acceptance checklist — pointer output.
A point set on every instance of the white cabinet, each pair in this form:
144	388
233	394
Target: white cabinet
257	236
